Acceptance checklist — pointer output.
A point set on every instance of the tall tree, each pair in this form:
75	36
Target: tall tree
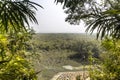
103	15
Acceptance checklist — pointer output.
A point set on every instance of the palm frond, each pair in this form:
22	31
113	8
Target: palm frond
17	14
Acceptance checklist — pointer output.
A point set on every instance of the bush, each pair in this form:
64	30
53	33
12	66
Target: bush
13	63
109	67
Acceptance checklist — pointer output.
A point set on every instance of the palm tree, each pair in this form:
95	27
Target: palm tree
16	14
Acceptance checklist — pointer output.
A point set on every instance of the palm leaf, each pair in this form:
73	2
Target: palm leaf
17	14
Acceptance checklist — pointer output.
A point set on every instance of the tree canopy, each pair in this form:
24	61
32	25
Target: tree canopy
100	15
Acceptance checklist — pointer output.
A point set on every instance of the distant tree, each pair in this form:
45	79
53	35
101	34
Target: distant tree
102	15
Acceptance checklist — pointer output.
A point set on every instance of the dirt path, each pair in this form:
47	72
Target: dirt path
71	75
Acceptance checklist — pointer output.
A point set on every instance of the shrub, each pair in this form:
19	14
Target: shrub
13	63
109	67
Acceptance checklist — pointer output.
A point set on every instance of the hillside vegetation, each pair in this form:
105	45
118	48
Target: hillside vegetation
57	50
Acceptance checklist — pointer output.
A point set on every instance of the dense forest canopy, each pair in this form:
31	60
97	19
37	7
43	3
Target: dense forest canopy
102	15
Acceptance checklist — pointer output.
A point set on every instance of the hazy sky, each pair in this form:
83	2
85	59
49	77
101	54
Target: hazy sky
52	19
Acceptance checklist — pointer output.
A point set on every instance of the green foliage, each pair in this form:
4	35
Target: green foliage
81	44
14	17
13	64
109	67
15	14
102	15
57	50
17	69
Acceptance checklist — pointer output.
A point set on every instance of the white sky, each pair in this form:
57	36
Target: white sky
52	19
